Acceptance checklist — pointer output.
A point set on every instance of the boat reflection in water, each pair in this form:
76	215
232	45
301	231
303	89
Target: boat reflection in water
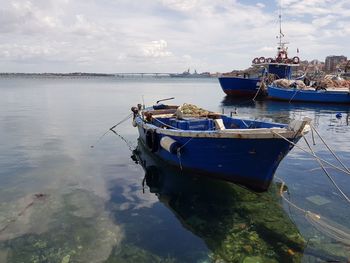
237	225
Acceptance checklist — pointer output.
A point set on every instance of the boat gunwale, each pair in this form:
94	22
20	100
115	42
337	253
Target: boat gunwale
249	133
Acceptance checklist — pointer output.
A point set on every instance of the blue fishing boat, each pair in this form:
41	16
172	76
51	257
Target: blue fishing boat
238	86
248	87
272	68
291	94
242	151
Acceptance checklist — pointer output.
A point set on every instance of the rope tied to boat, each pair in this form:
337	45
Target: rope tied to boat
260	87
319	160
333	153
112	128
326	172
295	93
128	143
321	223
166	125
178	151
313	155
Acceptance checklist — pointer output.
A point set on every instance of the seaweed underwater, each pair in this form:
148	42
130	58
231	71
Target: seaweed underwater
72	227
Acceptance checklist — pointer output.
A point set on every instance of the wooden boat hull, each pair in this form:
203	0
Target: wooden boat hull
248	161
321	96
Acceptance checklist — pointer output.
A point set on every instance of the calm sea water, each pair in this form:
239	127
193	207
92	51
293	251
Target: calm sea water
62	200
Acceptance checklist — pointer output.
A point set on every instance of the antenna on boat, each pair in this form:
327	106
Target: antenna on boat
282	50
280	24
281	45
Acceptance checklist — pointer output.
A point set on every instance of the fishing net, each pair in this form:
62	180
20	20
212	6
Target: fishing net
326	83
190	110
335	83
286	83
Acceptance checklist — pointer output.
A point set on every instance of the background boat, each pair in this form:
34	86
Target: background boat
270	69
319	96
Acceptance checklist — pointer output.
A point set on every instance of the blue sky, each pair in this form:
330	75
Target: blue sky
164	35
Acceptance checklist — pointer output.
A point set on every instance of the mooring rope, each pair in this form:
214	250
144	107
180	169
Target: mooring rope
319	160
297	90
333	153
325	226
326	172
123	120
312	136
167	125
260	86
111	129
128	143
178	151
313	155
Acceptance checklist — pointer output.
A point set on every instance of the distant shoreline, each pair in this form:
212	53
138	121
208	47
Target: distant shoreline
75	74
108	75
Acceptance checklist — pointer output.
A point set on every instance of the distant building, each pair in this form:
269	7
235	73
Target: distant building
315	62
332	62
344	66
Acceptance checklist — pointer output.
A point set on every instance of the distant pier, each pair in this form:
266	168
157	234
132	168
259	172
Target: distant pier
143	74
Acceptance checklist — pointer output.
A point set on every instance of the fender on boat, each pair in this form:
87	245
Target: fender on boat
169	144
151	140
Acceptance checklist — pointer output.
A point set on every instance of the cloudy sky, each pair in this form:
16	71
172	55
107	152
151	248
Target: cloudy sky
164	35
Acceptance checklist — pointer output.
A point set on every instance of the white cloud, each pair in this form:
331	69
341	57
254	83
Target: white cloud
124	35
182	5
323	21
156	49
25	52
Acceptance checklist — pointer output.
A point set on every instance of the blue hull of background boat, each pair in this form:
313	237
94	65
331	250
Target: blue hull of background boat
308	95
250	162
236	86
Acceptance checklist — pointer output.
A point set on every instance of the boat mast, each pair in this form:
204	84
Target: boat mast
280	22
281	35
282	49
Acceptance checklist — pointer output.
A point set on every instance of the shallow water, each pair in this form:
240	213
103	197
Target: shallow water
65	201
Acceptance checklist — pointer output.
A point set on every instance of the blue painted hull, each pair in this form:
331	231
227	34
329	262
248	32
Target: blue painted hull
288	94
250	162
236	86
